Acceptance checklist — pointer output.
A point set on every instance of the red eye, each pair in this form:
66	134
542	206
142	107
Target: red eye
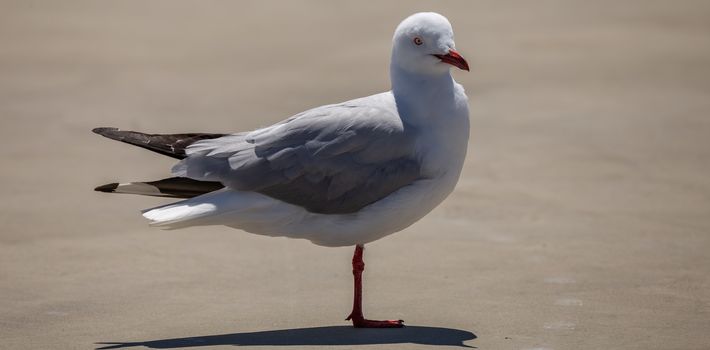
418	41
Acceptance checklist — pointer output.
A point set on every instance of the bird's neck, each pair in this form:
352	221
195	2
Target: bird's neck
419	96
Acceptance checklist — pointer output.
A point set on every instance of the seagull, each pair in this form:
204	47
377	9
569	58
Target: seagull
344	174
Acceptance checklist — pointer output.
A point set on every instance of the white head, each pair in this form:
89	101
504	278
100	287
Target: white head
424	43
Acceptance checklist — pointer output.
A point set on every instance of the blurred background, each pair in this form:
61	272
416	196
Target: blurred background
581	221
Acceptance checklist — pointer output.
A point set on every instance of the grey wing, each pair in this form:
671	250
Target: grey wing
333	159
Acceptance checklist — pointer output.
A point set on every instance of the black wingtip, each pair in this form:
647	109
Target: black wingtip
108	188
103	130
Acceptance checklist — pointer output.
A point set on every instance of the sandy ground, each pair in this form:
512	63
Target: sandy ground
582	220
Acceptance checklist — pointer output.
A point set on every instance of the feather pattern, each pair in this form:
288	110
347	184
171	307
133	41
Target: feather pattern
171	145
332	159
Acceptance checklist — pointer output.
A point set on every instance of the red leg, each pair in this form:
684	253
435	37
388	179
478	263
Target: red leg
356	316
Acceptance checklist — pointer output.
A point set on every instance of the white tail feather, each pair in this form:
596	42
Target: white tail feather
222	207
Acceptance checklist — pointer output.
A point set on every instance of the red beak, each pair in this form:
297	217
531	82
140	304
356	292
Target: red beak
455	59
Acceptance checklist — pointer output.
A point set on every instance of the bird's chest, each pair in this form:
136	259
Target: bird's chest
440	118
442	148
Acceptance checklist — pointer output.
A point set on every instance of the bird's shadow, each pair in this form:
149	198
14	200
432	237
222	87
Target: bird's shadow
333	335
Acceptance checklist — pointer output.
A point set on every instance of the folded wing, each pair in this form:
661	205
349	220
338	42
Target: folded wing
333	159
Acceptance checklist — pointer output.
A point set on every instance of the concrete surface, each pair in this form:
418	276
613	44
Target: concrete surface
582	220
